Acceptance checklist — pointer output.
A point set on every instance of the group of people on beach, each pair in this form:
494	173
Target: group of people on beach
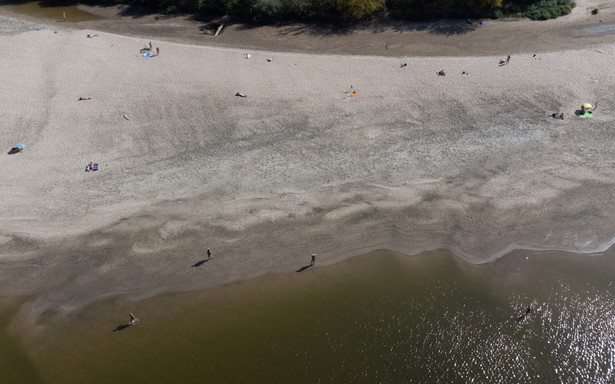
149	47
91	167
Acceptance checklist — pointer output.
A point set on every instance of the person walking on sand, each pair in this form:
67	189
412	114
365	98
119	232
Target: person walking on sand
508	59
209	254
64	16
313	259
157	51
133	319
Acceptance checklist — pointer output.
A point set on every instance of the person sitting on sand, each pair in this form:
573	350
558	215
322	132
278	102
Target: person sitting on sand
85	98
442	73
89	167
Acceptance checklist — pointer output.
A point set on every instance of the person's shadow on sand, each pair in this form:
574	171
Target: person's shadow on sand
121	327
303	268
199	263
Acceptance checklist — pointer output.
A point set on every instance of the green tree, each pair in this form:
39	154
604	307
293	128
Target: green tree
486	3
358	9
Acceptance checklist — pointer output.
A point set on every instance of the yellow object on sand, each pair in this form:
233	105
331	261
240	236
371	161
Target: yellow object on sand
353	94
587	105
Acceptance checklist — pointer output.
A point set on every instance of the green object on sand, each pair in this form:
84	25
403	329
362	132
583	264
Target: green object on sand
587	114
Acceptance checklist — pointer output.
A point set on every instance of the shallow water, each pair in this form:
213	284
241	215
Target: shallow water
376	318
14	363
34	9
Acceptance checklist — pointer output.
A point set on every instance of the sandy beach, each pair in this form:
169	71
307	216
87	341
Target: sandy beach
414	161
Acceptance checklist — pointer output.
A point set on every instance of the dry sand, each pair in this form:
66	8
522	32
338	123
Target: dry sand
413	162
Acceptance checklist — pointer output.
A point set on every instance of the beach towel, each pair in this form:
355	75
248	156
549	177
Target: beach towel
586	114
148	54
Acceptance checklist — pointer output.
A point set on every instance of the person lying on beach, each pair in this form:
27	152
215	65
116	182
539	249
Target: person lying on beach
90	36
14	150
240	94
85	98
442	73
559	115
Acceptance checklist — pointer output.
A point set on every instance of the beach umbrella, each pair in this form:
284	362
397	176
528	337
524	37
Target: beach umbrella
587	105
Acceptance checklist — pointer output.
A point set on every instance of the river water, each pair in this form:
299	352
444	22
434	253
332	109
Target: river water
377	318
44	10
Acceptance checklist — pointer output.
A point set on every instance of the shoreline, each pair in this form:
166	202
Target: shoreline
444	38
295	168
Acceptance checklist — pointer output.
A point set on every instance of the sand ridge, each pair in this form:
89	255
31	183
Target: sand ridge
414	161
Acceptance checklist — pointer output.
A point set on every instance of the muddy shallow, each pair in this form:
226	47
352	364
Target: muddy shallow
380	317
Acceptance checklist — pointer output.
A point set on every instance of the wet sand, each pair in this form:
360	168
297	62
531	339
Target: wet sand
414	162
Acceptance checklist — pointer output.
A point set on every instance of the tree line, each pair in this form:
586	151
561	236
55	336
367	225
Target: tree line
280	11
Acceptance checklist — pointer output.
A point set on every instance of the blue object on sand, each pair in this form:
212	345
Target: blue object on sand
148	54
95	167
20	145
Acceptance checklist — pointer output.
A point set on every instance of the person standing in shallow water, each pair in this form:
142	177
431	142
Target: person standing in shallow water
209	254
528	310
313	260
133	319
